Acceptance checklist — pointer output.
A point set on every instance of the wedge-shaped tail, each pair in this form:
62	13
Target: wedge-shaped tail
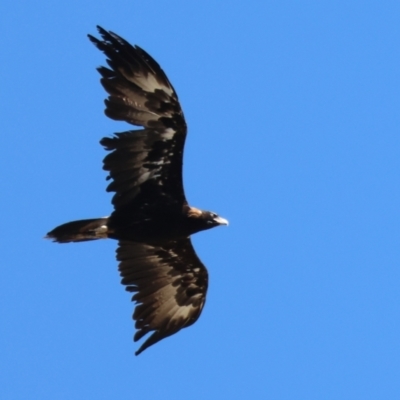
80	231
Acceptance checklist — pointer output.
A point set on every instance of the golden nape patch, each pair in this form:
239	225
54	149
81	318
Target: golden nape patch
194	212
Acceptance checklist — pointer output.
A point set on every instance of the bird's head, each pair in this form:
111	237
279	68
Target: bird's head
200	220
212	219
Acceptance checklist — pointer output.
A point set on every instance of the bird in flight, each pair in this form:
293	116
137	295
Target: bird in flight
152	220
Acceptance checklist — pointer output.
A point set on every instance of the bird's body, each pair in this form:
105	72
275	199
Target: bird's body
152	220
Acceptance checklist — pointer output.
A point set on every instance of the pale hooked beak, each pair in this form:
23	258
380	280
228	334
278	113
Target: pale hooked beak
221	221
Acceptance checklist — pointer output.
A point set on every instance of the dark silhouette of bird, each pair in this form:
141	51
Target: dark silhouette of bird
152	219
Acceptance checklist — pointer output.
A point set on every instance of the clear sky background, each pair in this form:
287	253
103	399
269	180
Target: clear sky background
293	110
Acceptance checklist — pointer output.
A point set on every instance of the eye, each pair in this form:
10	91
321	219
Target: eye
213	215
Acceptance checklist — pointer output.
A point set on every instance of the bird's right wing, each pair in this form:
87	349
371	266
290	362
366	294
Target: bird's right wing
145	165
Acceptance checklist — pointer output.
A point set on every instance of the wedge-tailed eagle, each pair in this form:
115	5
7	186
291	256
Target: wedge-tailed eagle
152	219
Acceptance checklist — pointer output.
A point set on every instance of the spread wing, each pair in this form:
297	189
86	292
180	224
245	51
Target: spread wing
170	285
145	165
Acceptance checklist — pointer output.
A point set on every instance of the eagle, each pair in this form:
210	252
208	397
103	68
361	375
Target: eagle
152	220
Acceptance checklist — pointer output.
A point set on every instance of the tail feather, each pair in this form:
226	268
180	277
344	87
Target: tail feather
80	231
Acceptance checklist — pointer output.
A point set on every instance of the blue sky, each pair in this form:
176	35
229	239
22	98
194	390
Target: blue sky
293	115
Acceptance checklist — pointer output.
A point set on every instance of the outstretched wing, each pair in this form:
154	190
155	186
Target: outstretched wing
145	165
170	285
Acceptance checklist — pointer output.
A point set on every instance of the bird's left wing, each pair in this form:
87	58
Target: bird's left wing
170	285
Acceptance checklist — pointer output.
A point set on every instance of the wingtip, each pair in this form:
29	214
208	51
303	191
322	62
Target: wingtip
142	348
91	38
101	31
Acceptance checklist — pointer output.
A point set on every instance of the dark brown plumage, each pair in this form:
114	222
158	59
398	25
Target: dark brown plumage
152	220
